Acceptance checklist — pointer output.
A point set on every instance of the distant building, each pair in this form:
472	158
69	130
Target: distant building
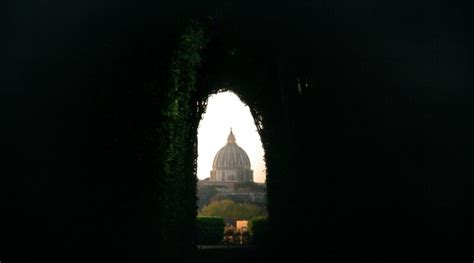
232	177
231	164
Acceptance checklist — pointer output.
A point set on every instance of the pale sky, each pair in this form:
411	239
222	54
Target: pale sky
224	111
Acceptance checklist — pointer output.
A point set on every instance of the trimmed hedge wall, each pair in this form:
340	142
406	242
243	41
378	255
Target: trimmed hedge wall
210	230
259	230
176	147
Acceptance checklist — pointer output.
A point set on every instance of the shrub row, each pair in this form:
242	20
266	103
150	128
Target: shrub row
209	230
259	230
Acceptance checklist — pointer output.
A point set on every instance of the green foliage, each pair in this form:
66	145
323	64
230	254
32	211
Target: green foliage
259	230
175	141
209	230
231	209
206	193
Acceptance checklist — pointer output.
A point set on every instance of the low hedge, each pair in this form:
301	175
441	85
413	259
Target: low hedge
259	230
210	230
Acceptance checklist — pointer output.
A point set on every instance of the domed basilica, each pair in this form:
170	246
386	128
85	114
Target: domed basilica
231	164
232	177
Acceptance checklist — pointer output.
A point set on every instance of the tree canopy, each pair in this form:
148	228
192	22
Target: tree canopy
231	209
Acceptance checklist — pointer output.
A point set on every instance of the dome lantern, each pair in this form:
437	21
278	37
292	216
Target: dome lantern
231	138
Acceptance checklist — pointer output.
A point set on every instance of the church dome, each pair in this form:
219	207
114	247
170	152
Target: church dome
231	155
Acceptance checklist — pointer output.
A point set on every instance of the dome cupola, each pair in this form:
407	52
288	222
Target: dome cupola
231	163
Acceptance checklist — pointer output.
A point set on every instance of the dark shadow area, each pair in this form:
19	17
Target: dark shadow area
229	254
366	109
